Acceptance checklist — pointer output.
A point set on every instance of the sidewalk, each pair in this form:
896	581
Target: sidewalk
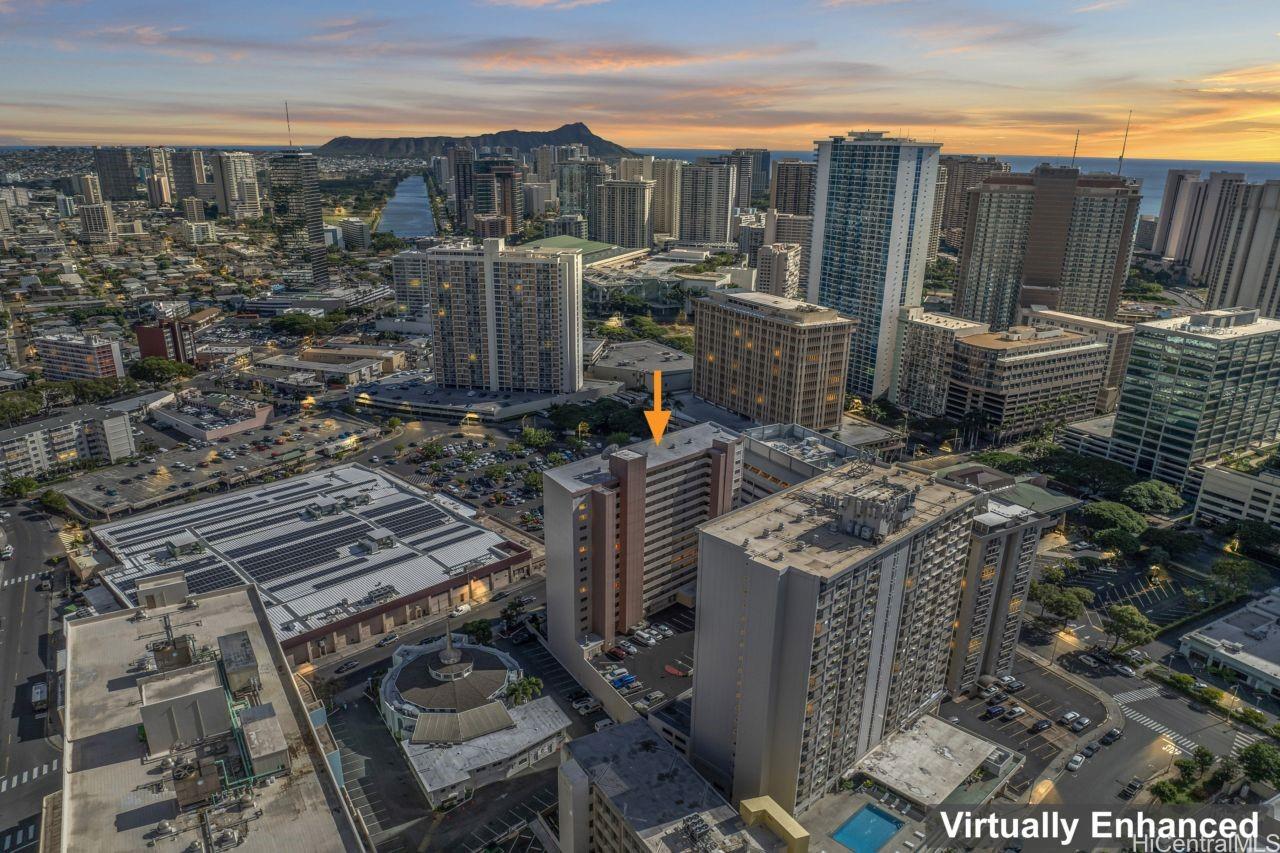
1114	719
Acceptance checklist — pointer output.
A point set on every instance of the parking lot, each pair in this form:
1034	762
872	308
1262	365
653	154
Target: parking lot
1046	697
180	465
650	664
1162	599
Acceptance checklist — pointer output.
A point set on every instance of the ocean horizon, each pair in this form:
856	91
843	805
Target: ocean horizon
1150	172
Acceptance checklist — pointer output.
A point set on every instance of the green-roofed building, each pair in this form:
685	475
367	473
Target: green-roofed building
593	252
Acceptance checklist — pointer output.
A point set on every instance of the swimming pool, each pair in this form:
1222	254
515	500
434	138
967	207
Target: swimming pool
867	830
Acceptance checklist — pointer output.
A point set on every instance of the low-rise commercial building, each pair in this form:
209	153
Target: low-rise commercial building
633	363
1246	642
211	417
392	359
228	749
339	555
343	373
1232	491
446	704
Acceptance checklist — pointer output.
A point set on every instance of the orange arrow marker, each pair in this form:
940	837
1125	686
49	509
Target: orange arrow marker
656	417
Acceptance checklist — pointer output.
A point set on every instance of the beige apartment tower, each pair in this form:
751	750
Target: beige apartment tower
792	188
624	213
503	319
771	359
621	532
964	171
666	196
825	617
706	202
1053	237
1117	336
778	269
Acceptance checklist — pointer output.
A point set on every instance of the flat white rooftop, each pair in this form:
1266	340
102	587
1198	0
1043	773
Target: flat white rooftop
304	542
927	761
114	797
1248	637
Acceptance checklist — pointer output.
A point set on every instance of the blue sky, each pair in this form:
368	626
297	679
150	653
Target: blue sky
1202	79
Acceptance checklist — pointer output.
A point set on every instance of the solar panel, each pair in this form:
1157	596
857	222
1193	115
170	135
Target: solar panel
305	532
351	575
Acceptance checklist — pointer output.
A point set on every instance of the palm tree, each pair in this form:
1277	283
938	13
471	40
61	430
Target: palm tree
524	689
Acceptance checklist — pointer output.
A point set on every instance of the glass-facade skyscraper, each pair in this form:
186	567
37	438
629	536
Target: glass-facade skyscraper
1196	388
873	203
295	207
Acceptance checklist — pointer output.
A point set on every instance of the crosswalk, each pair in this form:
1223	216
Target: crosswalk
1174	737
19	579
8	783
1137	695
1244	739
18	839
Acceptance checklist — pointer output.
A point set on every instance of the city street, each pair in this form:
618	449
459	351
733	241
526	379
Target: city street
29	759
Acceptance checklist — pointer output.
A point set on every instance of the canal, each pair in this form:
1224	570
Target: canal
408	213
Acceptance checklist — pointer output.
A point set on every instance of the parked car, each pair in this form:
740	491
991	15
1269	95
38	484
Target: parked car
1076	762
654	696
601	725
617	653
1128	791
995	711
628	647
988	692
1110	737
1015	712
1014	686
1090	750
1068	718
644	638
462	608
1126	671
1089	660
346	667
387	640
1081	724
1040	725
526	600
589	706
664	630
1007	679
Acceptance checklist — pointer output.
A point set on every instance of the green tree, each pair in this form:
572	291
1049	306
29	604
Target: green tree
1152	496
1053	574
619	438
536	438
511	614
524	689
1168	793
394	423
1235	575
533	480
1203	757
1104	515
557	458
1009	463
160	371
54	501
496	472
1115	539
1124	623
1261	762
20	487
479	630
1255	536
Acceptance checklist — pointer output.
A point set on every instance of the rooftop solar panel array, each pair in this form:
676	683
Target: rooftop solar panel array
305	566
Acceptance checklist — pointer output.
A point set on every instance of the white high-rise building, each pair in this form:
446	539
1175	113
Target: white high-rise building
825	618
666	196
231	171
90	188
706	202
873	207
503	319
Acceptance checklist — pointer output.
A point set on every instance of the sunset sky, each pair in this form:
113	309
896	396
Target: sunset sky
1203	79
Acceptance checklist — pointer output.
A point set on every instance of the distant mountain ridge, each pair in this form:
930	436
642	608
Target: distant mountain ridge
430	146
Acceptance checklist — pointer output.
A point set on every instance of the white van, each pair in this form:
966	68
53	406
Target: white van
460	610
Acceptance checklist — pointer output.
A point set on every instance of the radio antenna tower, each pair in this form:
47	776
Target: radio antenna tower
1124	145
1076	147
289	125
